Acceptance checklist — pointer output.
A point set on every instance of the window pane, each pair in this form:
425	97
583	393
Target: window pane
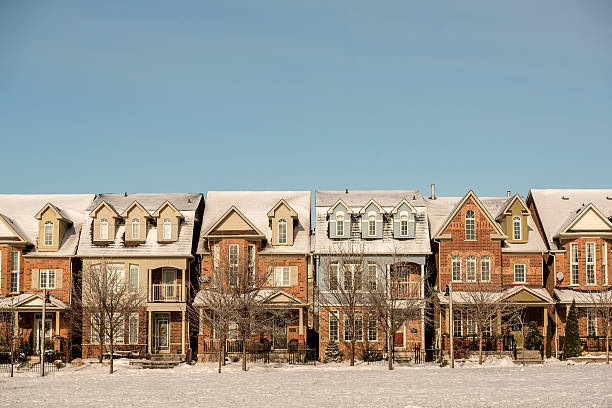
470	269
456	268
470	225
516	222
485	269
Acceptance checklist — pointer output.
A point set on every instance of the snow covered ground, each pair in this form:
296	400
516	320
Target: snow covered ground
499	383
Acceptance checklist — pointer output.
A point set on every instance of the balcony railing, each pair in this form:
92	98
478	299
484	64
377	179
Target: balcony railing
164	292
589	344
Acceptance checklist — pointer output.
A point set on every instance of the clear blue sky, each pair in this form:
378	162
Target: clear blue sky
157	96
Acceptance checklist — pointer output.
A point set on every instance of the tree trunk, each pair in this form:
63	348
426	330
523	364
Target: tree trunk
101	350
608	347
244	354
111	355
220	355
390	351
353	351
480	348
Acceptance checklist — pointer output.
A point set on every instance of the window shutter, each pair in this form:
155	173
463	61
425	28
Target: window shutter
35	278
411	226
293	276
364	226
332	228
58	278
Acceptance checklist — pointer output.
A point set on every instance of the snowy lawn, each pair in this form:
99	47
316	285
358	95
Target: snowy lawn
500	383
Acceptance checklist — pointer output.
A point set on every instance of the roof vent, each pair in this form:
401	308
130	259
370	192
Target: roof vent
413	197
564	198
188	200
346	191
433	191
125	194
508	193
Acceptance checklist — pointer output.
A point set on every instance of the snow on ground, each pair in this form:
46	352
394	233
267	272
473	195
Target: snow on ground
498	383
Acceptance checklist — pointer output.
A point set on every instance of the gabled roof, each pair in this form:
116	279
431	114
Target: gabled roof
333	207
165	204
58	212
279	296
398	206
31	301
104	204
282	202
506	209
365	207
233	210
135	204
580	297
10	227
539	295
575	219
451	216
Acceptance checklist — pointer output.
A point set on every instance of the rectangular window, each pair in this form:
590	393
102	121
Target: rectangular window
134	278
282	275
372	228
519	273
15	271
486	329
591	322
95	329
333	276
372	327
470	269
119	335
47	278
333	325
456	269
402	281
133	336
604	262
233	264
485	268
590	263
372	278
339	226
48	233
574	264
470	324
516	228
352	276
251	271
403	228
282	231
135	228
216	256
167	229
457	324
358	326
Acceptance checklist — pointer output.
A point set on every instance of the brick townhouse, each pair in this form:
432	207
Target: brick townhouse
269	231
577	228
39	234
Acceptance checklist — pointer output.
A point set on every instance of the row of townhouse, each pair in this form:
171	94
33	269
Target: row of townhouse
542	253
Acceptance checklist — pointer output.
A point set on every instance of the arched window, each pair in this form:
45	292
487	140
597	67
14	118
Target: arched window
516	228
135	228
404	224
167	229
470	225
340	224
282	231
103	228
371	224
48	233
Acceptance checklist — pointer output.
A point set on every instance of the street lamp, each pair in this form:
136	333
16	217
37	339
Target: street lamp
44	329
448	291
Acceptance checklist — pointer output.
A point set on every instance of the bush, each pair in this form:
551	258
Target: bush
571	342
234	358
369	355
533	340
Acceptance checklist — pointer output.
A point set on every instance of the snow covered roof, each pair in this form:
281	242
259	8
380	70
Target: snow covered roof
19	210
464	297
255	205
263	296
388	200
440	208
557	208
30	299
187	204
569	295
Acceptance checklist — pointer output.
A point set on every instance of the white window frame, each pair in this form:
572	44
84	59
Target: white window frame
282	276
604	262
251	268
455	266
457	323
334	332
514	228
372	276
340	224
470	225
334	282
470	267
372	327
524	272
592	322
47	279
104	229
94	337
358	325
349	271
470	325
15	270
590	267
233	262
135	228
134	278
404	224
216	256
485	260
167	229
48	233
574	266
119	336
282	232
371	224
133	337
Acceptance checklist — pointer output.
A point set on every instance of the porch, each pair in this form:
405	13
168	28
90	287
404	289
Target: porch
166	284
166	332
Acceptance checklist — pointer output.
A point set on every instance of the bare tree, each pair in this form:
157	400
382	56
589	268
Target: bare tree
398	295
8	324
601	301
107	300
342	289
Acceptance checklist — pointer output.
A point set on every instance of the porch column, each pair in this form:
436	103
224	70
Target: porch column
200	321
57	323
183	288
301	315
16	325
447	320
422	308
149	328
545	328
556	332
183	330
149	288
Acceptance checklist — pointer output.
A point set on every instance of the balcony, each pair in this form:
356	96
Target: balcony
165	292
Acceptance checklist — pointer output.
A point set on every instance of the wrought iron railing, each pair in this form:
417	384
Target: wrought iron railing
589	343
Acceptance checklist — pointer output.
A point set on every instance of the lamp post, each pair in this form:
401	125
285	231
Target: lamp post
44	328
449	293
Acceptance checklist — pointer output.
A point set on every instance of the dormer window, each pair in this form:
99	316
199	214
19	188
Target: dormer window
282	231
135	228
404	224
48	233
372	224
470	225
340	224
516	228
104	228
167	229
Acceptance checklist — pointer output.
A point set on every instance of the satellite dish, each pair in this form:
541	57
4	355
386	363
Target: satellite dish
560	276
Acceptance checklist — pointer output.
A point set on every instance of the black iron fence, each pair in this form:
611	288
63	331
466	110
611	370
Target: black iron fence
27	367
489	343
589	344
302	356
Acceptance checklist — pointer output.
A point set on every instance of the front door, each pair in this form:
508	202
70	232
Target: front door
169	278
162	333
279	334
38	330
398	338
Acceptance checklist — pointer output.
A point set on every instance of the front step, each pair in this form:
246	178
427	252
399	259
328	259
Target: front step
167	357
528	357
154	364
